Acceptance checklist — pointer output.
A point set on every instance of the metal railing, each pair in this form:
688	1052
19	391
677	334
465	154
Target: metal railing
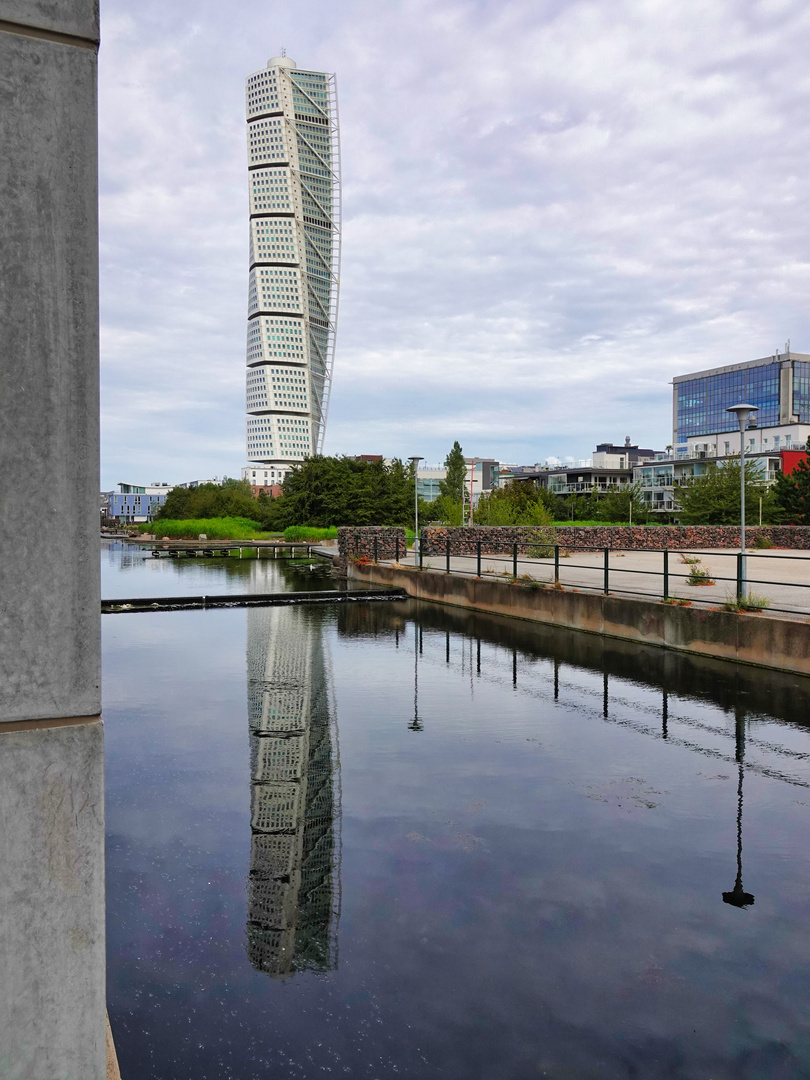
530	558
582	488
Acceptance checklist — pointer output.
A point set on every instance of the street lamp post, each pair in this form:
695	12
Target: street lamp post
415	459
742	412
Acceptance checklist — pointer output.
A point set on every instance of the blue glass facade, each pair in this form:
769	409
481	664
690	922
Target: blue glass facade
801	390
701	403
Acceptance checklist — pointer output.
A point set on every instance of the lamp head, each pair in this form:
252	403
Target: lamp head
737	897
742	412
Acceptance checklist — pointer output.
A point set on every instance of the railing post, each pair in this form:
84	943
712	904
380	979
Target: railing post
607	570
447	560
666	574
556	564
478	547
740	576
514	560
418	539
375	549
396	548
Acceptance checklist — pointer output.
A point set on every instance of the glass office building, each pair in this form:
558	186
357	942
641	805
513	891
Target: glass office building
778	385
294	191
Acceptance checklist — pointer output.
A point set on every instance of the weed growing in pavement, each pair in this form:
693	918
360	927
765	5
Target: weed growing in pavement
699	575
751	602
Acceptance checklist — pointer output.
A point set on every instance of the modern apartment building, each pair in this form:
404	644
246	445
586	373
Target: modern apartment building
610	469
294	191
611	456
133	503
658	481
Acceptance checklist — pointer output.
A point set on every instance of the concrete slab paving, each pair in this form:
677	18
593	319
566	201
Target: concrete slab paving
782	577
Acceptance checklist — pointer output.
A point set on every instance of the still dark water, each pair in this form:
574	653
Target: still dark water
399	840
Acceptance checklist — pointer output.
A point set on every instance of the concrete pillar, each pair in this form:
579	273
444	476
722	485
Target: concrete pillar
52	994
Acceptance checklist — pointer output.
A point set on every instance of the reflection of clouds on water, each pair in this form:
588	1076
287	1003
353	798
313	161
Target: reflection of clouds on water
293	888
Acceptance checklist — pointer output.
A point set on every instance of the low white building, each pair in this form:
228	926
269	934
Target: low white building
483	474
265	475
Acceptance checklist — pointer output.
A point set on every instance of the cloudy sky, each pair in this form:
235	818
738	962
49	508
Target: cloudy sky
551	207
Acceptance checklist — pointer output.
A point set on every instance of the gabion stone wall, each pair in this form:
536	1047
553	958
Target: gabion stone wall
357	542
498	539
495	539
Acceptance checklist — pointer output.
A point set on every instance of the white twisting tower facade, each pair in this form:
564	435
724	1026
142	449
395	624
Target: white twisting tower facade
294	188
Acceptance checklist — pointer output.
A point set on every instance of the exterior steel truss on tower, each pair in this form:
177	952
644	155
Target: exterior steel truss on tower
294	174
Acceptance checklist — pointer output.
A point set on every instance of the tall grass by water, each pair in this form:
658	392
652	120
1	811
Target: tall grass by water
225	528
299	533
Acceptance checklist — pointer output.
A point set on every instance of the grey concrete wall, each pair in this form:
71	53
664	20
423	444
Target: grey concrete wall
746	638
52	986
52	993
49	515
77	18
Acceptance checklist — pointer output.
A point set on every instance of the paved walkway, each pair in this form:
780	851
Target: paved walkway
782	576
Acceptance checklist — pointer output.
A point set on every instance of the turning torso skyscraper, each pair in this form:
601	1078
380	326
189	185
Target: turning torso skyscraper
294	180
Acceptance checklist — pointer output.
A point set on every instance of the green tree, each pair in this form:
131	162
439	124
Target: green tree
582	507
446	510
517	503
325	491
714	497
791	493
452	487
231	498
616	505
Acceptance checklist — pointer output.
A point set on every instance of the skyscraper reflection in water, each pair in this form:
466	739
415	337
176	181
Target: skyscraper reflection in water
294	884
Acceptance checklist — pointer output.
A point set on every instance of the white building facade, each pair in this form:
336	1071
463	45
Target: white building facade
294	191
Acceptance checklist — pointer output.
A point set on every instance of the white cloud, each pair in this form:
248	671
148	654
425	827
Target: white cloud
550	209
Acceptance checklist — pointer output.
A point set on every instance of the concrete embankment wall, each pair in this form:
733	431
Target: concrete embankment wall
744	638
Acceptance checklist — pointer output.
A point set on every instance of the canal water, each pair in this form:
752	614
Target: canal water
395	839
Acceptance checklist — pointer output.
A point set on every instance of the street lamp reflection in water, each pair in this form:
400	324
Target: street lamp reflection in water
743	413
416	724
737	896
